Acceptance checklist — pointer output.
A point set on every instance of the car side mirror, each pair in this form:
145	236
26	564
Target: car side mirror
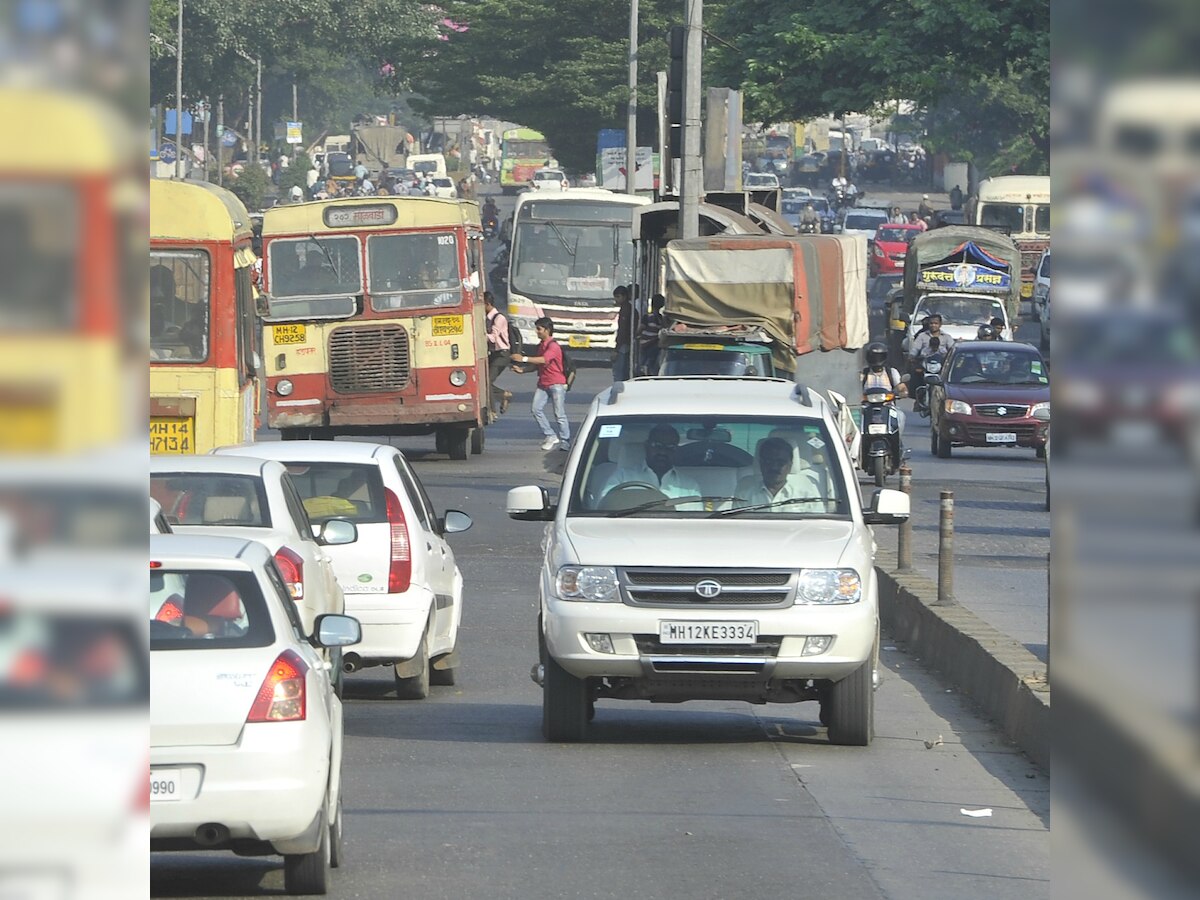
933	379
887	507
455	521
530	503
332	630
335	532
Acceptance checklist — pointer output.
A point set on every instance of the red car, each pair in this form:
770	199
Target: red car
889	247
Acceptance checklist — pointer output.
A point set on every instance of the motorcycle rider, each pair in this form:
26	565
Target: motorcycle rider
810	220
924	345
986	333
878	374
490	214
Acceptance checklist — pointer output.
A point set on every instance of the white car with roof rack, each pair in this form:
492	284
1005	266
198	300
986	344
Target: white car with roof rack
709	542
400	577
245	726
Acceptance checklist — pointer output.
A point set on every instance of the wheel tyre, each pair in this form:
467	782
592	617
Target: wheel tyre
337	674
943	447
417	686
880	467
851	708
292	434
564	704
456	443
439	441
336	850
477	441
1040	452
443	677
308	873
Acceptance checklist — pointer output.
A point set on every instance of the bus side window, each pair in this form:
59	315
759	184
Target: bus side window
474	270
248	334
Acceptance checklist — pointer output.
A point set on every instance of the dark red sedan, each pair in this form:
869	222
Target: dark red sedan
986	397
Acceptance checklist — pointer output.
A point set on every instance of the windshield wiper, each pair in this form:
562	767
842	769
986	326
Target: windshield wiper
760	506
668	501
329	259
562	239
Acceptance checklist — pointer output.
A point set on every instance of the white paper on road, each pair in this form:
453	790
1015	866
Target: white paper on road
976	813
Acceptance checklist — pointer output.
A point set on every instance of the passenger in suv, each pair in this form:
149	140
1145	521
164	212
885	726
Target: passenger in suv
748	589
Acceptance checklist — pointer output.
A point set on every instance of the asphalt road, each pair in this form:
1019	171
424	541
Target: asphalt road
458	796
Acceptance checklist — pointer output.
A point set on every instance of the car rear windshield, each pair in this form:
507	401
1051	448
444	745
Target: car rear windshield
673	466
330	490
193	609
211	498
897	235
59	661
863	222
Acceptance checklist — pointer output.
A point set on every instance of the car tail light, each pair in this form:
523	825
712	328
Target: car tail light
400	559
291	567
282	696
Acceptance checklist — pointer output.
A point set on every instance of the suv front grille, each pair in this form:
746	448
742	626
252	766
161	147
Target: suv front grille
365	360
737	589
766	648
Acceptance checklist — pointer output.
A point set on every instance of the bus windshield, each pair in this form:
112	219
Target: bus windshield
180	291
526	149
1009	217
583	262
314	267
405	271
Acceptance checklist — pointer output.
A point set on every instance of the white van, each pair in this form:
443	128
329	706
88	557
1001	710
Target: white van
429	164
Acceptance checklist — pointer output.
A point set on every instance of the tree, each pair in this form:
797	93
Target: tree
251	186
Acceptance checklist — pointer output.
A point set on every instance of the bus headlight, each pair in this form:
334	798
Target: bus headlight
284	388
458	378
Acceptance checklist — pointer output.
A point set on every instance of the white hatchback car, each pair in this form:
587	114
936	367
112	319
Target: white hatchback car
245	727
709	543
549	180
254	499
400	577
444	187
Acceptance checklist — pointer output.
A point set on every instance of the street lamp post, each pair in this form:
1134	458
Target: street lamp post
179	94
631	114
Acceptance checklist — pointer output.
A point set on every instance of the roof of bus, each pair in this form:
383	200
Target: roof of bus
72	134
593	194
195	210
1015	187
1161	101
411	212
522	134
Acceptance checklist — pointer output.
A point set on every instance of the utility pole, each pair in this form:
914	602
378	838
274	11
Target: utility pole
691	171
258	115
220	137
631	114
207	109
179	94
295	114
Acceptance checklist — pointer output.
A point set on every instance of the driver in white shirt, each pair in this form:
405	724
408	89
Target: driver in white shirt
658	470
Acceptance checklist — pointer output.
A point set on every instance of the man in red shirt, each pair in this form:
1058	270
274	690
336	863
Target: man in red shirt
551	385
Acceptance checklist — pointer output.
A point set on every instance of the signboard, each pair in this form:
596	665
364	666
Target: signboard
229	138
360	215
966	276
166	153
295	132
612	168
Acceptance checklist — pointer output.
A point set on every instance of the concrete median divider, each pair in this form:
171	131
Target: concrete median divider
1006	681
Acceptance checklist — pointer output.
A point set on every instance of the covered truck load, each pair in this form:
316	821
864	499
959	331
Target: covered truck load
963	258
808	293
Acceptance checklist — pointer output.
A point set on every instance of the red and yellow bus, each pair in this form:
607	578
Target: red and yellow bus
375	321
205	355
522	152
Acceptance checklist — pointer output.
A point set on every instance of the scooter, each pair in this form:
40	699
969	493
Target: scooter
881	451
931	365
491	227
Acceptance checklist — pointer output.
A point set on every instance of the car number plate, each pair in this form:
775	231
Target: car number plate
676	632
289	334
172	435
877	429
166	785
1001	437
579	340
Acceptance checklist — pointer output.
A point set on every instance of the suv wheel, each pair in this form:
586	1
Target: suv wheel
851	708
564	704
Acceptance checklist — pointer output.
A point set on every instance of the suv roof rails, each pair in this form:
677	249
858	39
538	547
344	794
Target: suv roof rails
616	390
801	395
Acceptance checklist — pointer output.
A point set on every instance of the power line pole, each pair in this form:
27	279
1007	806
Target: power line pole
220	139
179	94
631	114
691	171
258	114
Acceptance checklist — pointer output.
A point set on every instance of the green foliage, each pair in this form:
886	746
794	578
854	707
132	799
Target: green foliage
295	174
251	186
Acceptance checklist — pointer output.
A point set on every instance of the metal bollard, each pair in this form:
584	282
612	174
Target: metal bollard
946	550
904	535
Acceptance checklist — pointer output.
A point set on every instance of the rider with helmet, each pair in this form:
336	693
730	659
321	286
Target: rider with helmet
878	374
986	333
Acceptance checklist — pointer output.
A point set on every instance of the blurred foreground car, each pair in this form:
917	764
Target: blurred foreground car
987	396
400	577
245	728
1128	377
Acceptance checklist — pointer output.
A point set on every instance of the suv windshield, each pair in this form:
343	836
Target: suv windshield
688	468
961	310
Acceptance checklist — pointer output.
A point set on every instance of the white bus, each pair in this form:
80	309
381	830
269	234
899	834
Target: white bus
569	250
1018	205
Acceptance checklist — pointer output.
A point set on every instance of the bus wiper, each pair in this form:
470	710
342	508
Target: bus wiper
563	240
329	259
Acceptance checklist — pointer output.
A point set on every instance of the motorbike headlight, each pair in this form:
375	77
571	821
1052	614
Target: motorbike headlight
829	586
958	408
590	583
933	367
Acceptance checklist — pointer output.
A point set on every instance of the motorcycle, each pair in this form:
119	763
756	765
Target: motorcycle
810	227
930	365
880	448
491	227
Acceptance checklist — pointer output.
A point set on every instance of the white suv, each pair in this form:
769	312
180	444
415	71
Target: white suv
709	543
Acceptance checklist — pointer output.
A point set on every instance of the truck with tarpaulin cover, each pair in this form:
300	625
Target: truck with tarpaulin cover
806	293
978	266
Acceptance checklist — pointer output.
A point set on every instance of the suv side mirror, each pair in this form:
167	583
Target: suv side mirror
530	503
333	630
455	521
887	507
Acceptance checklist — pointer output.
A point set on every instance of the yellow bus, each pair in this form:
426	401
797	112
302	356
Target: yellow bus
205	358
522	152
375	321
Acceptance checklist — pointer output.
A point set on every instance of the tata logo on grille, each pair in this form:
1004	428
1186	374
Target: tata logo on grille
708	588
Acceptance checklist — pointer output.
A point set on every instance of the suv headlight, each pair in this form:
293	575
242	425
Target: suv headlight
958	408
595	583
827	586
1037	406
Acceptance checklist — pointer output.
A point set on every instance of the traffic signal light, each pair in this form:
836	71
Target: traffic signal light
675	43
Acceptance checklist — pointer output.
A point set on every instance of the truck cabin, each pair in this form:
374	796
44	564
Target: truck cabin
734	358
